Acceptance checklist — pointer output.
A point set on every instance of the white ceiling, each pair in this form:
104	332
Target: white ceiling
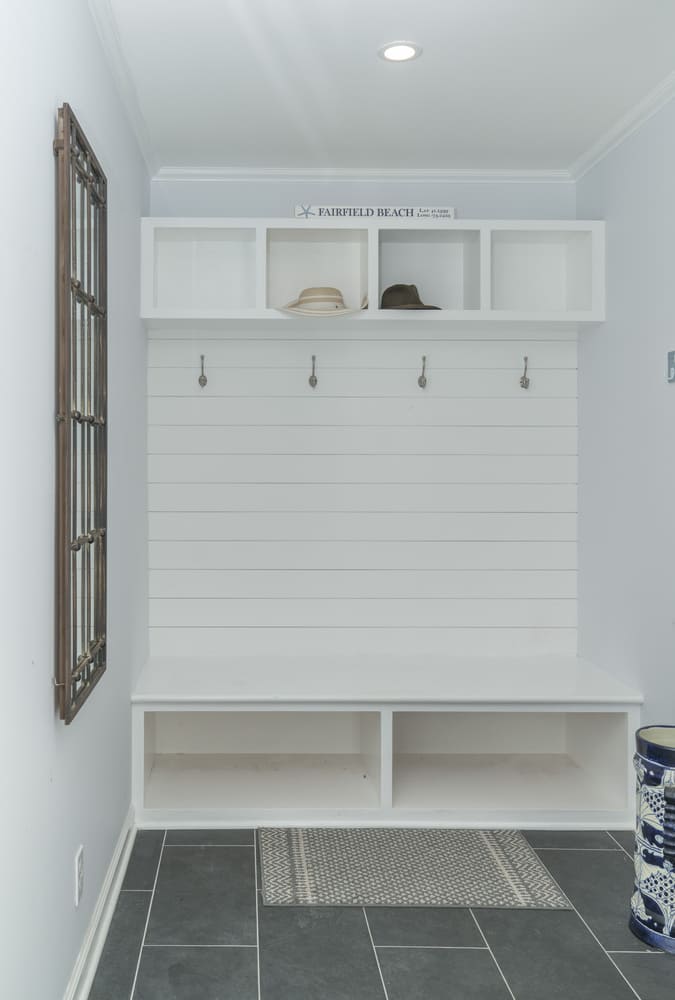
501	84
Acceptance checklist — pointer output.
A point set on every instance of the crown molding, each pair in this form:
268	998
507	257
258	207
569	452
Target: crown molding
624	127
104	21
367	174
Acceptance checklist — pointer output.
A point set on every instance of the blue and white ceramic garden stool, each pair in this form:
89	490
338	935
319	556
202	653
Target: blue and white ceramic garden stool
653	904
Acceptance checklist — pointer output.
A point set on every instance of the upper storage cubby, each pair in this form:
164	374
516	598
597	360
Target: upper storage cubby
199	268
444	264
218	270
542	271
316	258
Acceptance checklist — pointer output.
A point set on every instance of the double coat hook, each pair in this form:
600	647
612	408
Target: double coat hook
422	380
202	378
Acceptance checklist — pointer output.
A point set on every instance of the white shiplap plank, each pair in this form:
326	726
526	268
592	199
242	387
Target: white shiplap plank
284	583
500	642
466	383
378	355
363	497
362	613
410	526
382	555
362	469
204	439
419	411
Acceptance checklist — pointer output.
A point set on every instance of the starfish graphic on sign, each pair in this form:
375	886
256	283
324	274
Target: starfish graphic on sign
303	211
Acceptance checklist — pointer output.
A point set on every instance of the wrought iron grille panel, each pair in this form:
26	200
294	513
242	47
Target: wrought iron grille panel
81	465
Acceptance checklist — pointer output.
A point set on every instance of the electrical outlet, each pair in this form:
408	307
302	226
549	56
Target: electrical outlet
79	874
671	366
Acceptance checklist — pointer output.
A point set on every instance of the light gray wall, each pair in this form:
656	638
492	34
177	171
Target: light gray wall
61	786
275	197
627	422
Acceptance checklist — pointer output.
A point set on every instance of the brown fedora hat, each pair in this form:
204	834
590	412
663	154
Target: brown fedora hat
403	297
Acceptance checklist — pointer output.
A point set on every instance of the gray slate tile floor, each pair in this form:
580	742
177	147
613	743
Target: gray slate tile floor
190	925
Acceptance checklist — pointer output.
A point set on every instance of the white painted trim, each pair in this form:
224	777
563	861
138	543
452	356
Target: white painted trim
369	174
87	960
104	22
624	127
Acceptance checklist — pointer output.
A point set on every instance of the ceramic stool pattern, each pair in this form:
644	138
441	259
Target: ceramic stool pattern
653	903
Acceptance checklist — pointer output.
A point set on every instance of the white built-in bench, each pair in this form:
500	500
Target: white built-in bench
533	741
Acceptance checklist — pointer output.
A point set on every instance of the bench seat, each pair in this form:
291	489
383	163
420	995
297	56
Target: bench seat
472	741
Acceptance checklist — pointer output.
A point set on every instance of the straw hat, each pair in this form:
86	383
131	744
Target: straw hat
318	302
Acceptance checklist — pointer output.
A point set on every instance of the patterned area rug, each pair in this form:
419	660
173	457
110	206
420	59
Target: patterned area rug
404	867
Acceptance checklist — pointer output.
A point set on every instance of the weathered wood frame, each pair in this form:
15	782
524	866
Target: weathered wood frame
81	416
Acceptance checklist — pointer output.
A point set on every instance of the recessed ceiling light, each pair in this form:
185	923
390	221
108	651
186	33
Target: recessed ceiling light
400	51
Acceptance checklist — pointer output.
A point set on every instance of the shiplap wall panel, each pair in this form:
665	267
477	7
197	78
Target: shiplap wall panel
345	555
364	584
350	526
425	331
422	497
366	515
270	641
333	411
252	354
362	469
185	612
204	439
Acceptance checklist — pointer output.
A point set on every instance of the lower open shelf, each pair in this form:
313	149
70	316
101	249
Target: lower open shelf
500	783
260	781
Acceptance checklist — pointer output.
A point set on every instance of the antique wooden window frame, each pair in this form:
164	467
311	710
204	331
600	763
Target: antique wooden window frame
81	417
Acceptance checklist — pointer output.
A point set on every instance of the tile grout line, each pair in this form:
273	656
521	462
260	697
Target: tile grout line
178	945
237	845
597	939
620	846
435	947
147	919
625	951
257	916
377	959
492	954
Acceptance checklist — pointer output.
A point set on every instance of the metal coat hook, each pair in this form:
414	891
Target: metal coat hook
202	378
313	380
422	380
524	380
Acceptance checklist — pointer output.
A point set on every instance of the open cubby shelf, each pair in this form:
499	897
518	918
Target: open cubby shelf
234	269
550	744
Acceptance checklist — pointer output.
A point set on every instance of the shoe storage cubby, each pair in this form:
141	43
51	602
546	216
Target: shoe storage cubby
498	762
220	270
262	760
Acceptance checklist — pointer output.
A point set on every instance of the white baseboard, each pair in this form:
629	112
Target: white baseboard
84	969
